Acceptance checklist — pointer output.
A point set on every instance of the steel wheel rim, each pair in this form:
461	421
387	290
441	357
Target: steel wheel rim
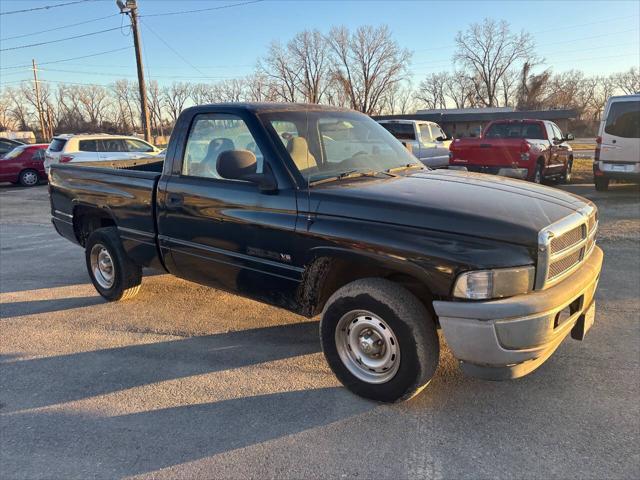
102	266
367	346
29	178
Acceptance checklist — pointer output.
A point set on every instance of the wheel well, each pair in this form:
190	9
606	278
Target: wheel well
327	274
88	219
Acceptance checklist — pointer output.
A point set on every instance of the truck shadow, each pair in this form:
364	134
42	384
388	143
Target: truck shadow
32	307
48	381
69	445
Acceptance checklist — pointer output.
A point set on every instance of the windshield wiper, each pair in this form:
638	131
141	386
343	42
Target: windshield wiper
404	167
350	174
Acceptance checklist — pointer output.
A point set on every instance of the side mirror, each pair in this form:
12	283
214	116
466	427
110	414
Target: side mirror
569	137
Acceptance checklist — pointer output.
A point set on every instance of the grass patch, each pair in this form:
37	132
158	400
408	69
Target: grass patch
582	171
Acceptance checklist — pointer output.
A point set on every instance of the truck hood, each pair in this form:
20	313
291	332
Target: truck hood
457	202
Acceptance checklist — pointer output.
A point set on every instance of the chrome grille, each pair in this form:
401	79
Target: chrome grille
568	239
564	245
565	263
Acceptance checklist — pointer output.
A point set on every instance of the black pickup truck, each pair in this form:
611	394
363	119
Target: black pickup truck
321	211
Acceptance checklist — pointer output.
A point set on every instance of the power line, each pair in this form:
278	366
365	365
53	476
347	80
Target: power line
181	12
70	59
57	28
115	74
60	39
172	49
46	7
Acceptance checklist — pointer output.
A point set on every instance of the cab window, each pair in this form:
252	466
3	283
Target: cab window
212	134
138	146
88	145
111	145
425	133
402	131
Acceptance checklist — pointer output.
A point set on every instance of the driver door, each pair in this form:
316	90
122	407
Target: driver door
227	233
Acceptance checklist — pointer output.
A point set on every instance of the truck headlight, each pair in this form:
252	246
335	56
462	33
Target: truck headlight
498	283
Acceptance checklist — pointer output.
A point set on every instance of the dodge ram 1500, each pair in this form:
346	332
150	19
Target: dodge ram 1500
321	211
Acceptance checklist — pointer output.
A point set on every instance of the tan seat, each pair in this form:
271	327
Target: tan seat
299	151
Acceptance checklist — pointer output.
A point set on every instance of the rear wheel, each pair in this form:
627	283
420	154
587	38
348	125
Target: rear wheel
379	340
602	184
29	178
112	272
537	174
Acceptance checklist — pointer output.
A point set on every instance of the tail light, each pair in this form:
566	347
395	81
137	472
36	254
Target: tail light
596	157
66	158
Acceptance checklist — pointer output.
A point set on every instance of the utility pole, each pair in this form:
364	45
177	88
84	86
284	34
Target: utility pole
38	104
130	8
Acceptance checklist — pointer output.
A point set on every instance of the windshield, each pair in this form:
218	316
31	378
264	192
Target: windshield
326	144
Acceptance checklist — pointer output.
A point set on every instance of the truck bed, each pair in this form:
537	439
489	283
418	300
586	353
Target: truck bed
124	193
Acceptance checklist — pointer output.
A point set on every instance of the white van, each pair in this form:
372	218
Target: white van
618	143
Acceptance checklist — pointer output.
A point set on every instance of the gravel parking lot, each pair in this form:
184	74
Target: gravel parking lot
189	382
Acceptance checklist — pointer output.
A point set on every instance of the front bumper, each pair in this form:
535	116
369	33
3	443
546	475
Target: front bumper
511	337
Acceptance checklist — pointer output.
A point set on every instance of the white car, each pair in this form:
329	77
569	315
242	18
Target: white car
90	148
426	140
618	144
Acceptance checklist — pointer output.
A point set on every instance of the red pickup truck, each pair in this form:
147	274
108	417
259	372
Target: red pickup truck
534	150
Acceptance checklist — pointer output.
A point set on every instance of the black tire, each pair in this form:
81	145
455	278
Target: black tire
29	178
409	321
537	173
126	276
566	176
602	184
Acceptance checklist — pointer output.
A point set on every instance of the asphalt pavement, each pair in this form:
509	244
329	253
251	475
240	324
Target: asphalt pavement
188	382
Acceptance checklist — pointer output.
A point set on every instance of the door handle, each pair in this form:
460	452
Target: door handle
174	200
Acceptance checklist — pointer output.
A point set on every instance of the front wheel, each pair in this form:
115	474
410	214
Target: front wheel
566	176
379	340
29	178
112	272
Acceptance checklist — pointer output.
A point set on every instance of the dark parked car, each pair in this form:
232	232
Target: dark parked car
24	165
322	211
8	144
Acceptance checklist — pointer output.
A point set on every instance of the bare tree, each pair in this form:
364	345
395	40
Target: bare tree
432	90
8	119
308	50
94	100
124	92
231	90
627	82
203	93
488	51
532	89
175	96
259	88
282	70
400	100
460	89
367	64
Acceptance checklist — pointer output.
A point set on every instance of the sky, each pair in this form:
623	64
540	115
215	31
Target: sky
598	37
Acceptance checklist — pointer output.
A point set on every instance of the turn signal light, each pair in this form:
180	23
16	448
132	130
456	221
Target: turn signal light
66	158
